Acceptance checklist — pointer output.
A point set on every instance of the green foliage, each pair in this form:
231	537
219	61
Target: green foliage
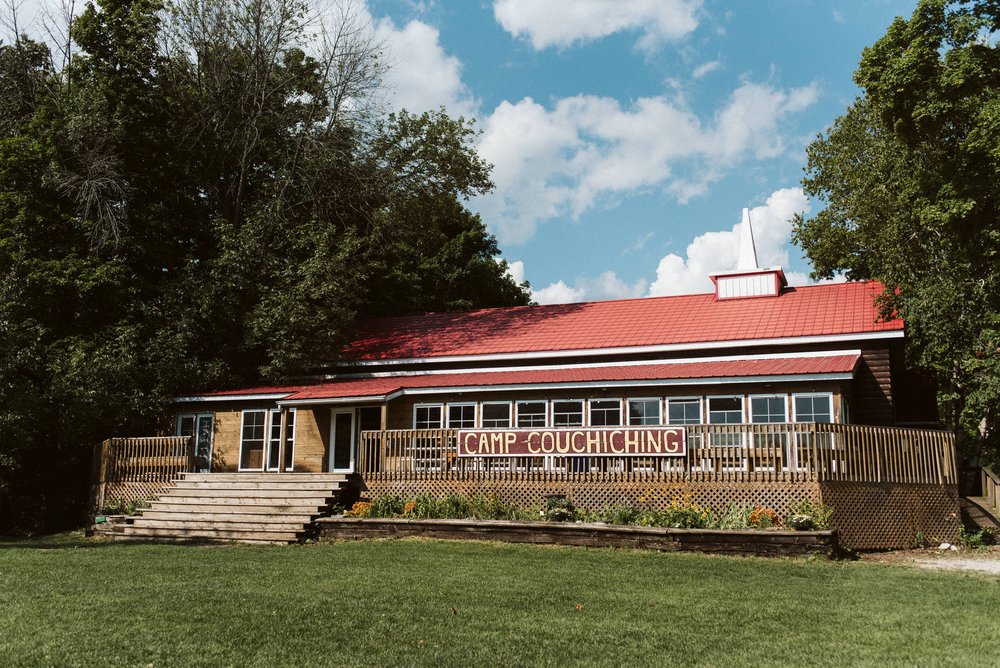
559	509
119	506
621	514
203	196
975	540
805	515
385	506
910	180
733	516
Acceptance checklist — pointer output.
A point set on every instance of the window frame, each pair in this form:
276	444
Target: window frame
628	413
590	412
441	415
697	400
289	438
510	414
708	407
773	395
812	395
583	412
546	421
462	404
264	438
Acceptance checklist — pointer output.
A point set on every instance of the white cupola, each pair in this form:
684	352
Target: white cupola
748	279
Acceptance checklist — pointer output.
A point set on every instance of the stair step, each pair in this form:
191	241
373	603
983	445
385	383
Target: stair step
264	477
214	517
200	540
212	506
236	492
197	525
305	485
225	534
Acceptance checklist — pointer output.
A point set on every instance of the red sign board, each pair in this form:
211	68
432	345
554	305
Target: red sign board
573	442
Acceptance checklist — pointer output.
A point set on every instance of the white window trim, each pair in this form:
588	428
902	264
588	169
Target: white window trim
517	411
621	415
583	409
751	397
267	444
428	405
510	413
701	408
267	436
743	406
475	414
659	404
813	395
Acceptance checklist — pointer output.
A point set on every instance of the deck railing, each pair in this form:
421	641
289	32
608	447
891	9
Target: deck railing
139	462
991	490
797	451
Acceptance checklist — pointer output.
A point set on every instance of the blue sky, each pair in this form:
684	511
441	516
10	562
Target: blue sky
627	135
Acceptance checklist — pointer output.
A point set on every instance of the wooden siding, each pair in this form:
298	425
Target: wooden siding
871	391
312	429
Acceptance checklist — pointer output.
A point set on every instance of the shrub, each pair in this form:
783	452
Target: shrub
360	509
453	507
385	506
119	506
805	515
734	516
682	513
620	514
489	507
976	539
422	506
762	517
559	509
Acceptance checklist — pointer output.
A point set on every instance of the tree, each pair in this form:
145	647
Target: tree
910	180
206	193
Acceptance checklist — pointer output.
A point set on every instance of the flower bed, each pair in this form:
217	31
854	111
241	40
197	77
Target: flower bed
590	534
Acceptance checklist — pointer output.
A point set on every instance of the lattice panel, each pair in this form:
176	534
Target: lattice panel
134	491
595	494
873	516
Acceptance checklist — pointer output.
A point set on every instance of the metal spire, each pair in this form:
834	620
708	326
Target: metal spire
748	252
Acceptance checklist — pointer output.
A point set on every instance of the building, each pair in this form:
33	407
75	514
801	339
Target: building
778	393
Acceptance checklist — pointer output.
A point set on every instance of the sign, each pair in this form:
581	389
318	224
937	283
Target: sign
573	442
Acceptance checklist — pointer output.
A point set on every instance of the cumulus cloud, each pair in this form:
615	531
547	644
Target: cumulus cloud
422	76
562	23
605	286
560	161
713	252
706	68
515	270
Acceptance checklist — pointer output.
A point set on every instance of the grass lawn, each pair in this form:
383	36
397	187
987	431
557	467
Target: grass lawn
73	601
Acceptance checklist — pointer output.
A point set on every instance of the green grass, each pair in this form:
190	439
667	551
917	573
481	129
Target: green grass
73	601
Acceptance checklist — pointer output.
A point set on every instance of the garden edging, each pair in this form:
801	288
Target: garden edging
746	542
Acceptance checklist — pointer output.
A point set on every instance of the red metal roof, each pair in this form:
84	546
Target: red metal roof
739	368
838	308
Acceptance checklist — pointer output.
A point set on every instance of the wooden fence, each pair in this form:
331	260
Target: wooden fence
133	469
991	490
786	452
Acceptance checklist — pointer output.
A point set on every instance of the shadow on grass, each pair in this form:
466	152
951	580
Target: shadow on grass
68	540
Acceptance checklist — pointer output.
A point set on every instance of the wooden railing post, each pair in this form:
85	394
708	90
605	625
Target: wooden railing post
99	475
282	436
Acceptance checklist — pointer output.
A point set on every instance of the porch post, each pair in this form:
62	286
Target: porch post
282	435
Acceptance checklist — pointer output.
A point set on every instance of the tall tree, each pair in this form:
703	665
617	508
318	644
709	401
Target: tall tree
910	179
207	193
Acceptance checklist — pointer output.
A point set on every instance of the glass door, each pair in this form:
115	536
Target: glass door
200	426
342	441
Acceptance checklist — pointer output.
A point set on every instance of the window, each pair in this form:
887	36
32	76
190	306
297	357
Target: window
427	416
531	414
684	411
201	426
496	415
252	440
768	409
725	410
643	411
274	442
567	413
813	407
605	412
461	416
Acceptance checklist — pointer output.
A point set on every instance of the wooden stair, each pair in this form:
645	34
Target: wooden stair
978	513
245	507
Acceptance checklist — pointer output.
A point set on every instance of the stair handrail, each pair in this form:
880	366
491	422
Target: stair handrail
991	489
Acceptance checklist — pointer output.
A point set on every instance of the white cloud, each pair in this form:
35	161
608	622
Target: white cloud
604	286
713	252
515	270
557	293
422	76
561	161
706	68
562	23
